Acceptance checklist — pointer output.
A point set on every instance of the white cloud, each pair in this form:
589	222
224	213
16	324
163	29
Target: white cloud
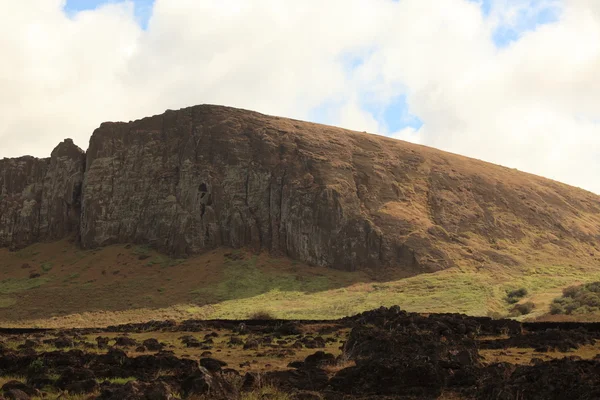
533	105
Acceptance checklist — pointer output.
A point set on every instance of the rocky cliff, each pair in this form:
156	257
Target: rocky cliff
208	176
40	198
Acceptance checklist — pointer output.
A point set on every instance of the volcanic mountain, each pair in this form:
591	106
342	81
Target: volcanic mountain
204	177
208	176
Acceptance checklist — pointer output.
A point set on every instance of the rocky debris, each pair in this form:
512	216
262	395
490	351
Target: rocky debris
557	379
407	354
20	387
251	344
543	341
211	364
61	342
16	394
236	341
124	341
306	378
152	345
102	342
388	354
442	324
319	359
136	391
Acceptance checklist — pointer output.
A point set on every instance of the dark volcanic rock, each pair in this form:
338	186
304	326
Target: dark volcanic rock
176	180
553	380
40	198
212	364
137	391
152	345
408	354
16	385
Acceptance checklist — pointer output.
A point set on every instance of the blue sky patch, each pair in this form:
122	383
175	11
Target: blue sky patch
397	116
531	16
142	8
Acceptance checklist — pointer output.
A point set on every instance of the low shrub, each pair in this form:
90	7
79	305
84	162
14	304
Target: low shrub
262	315
523	308
583	299
513	296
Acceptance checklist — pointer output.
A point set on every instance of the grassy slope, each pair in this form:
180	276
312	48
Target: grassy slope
121	284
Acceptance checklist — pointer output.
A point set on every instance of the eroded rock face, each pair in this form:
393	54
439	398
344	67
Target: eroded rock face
206	176
194	179
40	198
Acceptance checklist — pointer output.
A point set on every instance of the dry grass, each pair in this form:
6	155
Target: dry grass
113	286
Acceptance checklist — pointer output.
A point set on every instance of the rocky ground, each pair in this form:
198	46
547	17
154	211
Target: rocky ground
380	354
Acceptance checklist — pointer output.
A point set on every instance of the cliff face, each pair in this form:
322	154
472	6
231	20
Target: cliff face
201	177
40	198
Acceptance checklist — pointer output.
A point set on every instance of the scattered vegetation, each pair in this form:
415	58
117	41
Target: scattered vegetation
119	381
71	277
495	315
522	309
234	284
46	267
262	315
583	299
244	279
266	392
513	296
14	285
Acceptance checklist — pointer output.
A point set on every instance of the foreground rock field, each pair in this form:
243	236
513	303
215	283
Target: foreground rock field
381	354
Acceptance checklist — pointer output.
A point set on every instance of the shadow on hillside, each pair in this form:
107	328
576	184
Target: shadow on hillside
79	281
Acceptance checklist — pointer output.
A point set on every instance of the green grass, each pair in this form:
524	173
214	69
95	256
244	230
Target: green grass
14	285
6	302
71	277
449	292
46	267
243	279
119	381
266	392
469	292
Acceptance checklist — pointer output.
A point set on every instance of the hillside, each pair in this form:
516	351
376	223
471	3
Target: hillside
202	179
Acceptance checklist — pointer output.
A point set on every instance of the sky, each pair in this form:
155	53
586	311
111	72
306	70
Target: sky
513	82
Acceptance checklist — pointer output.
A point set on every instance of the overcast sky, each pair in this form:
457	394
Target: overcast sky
515	82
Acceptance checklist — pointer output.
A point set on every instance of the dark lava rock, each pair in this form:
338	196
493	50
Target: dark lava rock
137	391
20	386
102	342
211	364
289	329
413	355
319	359
152	345
79	387
304	379
16	394
236	341
63	342
72	375
124	341
543	341
561	379
251	344
251	380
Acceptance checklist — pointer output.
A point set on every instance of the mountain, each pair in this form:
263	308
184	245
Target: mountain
209	176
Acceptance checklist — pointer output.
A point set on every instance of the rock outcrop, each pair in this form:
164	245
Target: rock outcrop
208	176
40	198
